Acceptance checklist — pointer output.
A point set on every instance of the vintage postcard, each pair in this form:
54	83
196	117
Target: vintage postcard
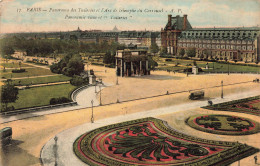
138	82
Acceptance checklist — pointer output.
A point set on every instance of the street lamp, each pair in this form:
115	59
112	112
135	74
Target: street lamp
228	68
222	94
187	70
56	150
92	115
100	96
116	79
95	88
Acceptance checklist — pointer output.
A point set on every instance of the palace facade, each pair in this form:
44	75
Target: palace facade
235	44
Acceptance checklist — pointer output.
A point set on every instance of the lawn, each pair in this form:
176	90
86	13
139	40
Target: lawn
220	67
172	68
213	66
41	95
29	72
13	65
41	80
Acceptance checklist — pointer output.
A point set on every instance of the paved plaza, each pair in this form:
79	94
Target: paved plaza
36	130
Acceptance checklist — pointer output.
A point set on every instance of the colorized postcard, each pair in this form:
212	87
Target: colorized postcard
138	82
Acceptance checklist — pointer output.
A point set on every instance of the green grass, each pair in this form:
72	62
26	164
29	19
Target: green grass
218	67
13	65
172	68
41	80
29	72
41	95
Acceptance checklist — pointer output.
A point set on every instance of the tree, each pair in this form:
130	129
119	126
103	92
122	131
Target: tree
9	94
154	48
6	50
182	52
69	65
74	67
152	64
78	81
191	52
107	58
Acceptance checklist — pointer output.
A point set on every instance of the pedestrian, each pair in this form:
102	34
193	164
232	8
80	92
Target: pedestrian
255	159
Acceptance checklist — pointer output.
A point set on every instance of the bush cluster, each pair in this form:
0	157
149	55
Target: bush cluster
70	65
59	100
18	70
78	81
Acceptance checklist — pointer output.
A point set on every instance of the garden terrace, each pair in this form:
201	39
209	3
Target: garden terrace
151	141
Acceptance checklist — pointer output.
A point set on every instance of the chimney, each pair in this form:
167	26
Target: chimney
170	19
185	21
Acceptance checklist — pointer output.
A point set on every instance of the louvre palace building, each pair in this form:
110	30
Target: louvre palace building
232	44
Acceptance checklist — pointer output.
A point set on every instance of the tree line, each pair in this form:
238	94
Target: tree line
47	47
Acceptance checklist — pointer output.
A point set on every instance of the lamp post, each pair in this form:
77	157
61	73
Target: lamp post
117	79
95	88
228	68
56	150
92	115
100	96
187	70
222	94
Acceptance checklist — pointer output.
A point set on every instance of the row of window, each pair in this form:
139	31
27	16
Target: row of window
232	47
227	34
216	41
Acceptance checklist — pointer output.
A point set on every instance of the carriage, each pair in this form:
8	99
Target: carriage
6	135
196	95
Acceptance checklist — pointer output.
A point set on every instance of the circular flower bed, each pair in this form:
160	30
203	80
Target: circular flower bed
150	141
223	124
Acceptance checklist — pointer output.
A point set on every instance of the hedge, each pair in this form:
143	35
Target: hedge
18	70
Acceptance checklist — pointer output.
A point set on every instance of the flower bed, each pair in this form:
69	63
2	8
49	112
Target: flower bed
223	124
151	141
248	105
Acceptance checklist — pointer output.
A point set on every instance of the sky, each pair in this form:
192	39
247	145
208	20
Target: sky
67	15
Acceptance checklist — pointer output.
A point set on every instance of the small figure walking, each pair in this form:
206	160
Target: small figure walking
255	159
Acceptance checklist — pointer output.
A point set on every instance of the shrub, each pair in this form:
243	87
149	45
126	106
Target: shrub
59	100
11	108
78	81
18	70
